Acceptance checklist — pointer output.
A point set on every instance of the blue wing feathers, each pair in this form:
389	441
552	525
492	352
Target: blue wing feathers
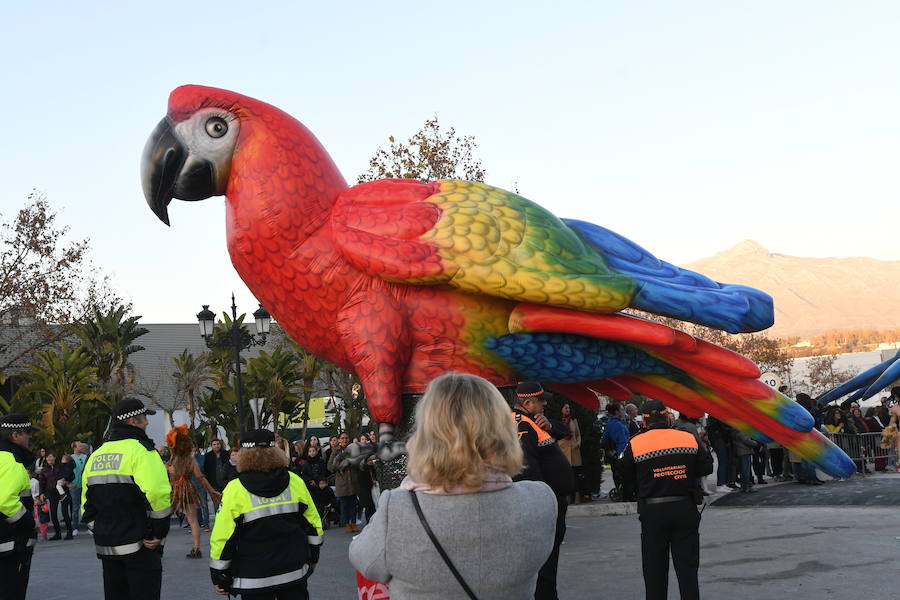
669	290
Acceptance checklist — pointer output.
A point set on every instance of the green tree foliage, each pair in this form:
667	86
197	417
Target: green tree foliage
191	375
109	338
61	392
430	154
217	405
277	378
350	399
310	367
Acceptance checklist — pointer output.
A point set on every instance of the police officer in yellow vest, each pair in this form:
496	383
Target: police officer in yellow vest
17	534
544	461
266	539
664	465
127	505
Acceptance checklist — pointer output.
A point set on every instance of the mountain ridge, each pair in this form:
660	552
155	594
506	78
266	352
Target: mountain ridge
812	295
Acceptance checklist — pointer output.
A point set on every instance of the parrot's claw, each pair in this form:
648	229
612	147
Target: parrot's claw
388	451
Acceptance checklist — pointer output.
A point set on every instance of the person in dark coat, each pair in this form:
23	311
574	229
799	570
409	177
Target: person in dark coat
346	482
53	479
743	446
214	465
231	467
314	468
544	461
662	466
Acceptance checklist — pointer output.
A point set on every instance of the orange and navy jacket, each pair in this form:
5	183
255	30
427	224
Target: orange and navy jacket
664	462
544	461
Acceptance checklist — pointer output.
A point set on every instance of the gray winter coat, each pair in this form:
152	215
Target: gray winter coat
497	540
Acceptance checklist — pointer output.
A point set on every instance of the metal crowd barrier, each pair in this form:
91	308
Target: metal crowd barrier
866	447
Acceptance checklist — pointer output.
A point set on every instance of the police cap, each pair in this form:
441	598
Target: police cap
528	390
258	438
130	407
654	409
15	422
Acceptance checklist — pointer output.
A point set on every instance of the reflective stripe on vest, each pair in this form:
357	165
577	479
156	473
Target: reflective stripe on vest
255	583
544	438
122	550
7	546
160	514
16	515
268	511
222	565
31	543
114	478
25	493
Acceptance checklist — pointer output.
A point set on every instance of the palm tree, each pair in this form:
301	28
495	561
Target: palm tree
109	338
311	366
276	378
191	375
62	381
352	408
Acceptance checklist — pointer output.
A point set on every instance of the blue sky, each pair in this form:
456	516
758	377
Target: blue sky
685	126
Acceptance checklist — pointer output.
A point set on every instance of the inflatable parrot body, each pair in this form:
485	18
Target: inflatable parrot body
401	280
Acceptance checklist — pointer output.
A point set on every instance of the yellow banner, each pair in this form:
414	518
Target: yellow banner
316	414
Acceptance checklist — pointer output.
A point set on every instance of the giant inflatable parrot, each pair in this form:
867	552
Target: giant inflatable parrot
866	384
401	280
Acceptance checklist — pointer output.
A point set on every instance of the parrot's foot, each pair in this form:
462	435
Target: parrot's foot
388	451
388	447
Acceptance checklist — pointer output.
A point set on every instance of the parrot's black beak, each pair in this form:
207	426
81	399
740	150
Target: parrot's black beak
169	170
162	160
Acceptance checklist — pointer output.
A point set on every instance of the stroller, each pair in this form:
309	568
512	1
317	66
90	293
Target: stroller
618	493
326	503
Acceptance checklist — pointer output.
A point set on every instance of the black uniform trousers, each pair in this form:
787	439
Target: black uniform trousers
137	576
14	570
670	527
295	591
546	581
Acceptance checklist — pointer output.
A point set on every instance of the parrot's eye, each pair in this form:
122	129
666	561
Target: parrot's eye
216	127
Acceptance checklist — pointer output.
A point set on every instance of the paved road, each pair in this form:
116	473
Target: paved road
875	490
808	552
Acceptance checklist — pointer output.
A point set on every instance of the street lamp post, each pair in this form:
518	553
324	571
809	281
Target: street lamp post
237	340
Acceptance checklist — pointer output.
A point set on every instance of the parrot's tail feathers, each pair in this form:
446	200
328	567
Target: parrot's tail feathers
672	394
819	450
571	358
744	415
669	290
742	388
577	393
611	388
656	338
626	328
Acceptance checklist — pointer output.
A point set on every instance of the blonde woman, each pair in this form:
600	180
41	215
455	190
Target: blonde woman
495	533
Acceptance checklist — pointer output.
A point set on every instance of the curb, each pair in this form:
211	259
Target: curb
602	509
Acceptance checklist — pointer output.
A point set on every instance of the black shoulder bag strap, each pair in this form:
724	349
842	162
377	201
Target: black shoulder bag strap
440	549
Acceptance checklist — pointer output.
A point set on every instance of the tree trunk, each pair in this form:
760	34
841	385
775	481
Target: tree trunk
190	407
306	400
